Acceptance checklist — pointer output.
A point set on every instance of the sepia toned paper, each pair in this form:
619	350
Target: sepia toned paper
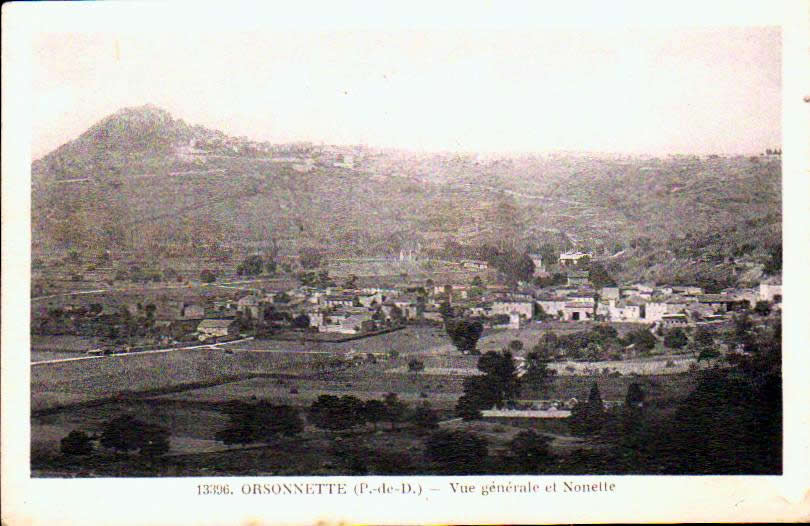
395	169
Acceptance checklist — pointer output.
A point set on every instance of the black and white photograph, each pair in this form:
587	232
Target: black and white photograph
418	250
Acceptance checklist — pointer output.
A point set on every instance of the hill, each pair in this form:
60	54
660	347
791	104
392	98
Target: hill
142	180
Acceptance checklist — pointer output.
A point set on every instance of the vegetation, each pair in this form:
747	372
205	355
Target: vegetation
259	422
76	443
457	452
464	334
127	434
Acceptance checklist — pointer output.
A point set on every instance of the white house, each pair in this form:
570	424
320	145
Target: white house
770	292
523	308
213	328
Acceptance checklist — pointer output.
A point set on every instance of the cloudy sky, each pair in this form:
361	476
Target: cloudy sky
487	89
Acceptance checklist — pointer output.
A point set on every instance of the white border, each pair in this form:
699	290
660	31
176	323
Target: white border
172	501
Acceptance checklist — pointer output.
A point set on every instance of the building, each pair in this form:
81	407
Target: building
770	292
474	264
610	293
576	278
552	305
572	259
215	328
577	311
539	268
339	300
504	306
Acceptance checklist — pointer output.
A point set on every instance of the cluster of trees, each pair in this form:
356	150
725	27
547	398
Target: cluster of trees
316	279
597	343
498	386
334	413
463	333
255	265
457	452
124	434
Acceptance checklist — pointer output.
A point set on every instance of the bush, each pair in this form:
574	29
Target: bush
126	434
457	452
76	443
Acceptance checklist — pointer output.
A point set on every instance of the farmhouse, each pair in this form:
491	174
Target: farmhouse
474	264
770	292
552	305
577	277
571	259
506	306
577	311
215	328
539	268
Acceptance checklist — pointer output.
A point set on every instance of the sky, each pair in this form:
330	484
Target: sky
653	90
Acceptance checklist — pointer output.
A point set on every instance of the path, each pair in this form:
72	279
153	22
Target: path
136	353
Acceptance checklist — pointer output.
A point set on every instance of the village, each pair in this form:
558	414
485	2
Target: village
325	310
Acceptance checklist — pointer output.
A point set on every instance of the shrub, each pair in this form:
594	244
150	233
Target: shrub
457	452
76	443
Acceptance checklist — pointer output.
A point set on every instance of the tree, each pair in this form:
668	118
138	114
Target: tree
598	276
122	434
515	346
703	343
468	407
500	371
424	417
250	266
476	282
416	366
259	422
334	414
530	450
126	434
762	308
76	443
310	258
207	276
301	321
635	396
270	267
457	452
588	417
464	334
395	409
675	338
154	441
643	339
374	411
351	282
538	374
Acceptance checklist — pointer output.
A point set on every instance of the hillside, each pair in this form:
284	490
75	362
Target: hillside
142	180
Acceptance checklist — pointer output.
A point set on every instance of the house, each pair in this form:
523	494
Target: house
250	305
506	306
216	328
552	305
474	264
576	278
610	293
572	259
717	302
674	320
578	311
624	311
539	268
770	292
347	322
408	306
339	300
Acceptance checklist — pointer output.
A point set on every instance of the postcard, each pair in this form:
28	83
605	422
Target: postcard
447	263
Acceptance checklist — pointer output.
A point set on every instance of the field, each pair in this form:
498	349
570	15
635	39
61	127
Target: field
185	391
